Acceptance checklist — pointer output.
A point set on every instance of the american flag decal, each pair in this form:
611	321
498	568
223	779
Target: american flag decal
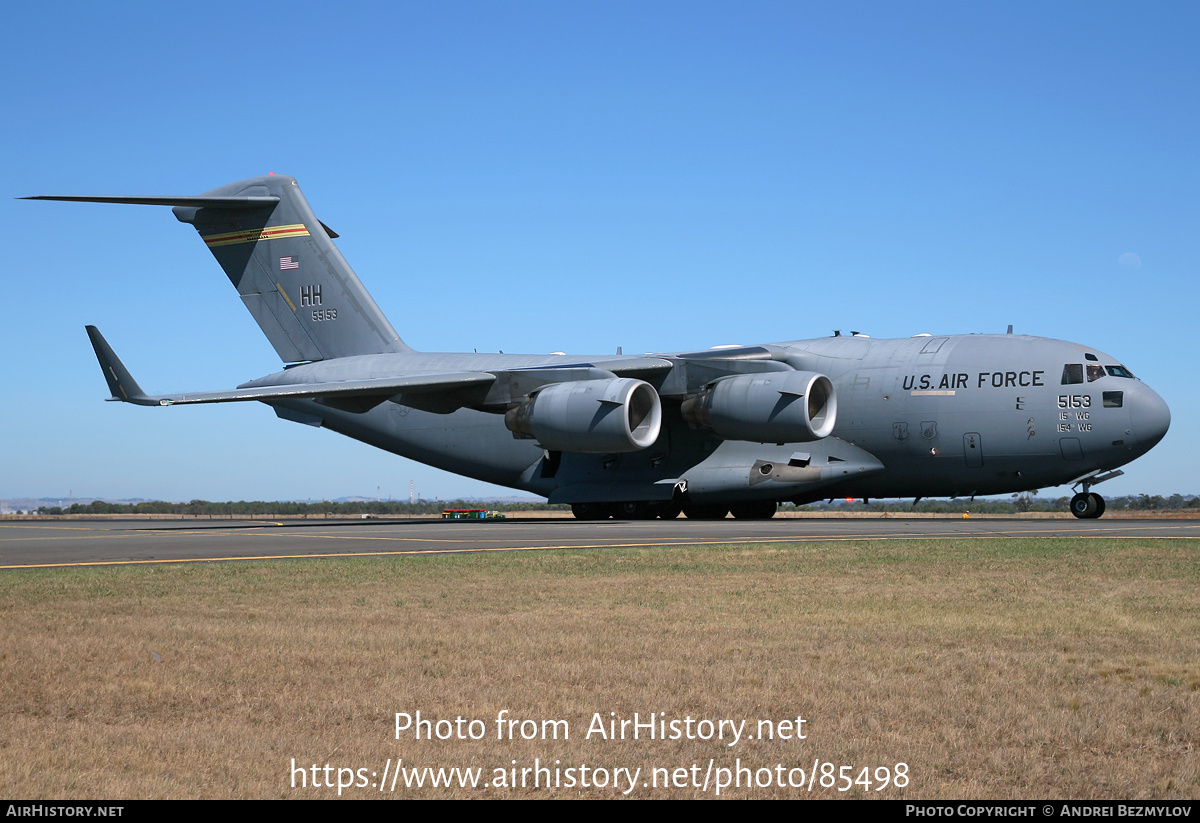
288	263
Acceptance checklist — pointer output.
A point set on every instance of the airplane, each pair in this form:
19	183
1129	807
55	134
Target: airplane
729	430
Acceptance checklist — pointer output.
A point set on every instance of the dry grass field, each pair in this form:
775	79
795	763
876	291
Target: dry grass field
991	669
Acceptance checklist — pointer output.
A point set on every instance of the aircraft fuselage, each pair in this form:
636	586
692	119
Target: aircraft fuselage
940	416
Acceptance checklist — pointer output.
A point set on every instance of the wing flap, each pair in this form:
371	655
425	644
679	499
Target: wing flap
643	368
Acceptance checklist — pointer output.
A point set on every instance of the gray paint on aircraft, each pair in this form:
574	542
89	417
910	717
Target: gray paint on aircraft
911	415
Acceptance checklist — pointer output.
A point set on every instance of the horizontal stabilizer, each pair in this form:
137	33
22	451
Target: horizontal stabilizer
200	202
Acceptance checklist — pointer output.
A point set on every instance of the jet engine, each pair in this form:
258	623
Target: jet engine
774	407
607	416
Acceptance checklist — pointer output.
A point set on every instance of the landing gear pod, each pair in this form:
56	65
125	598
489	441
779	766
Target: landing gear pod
775	407
590	416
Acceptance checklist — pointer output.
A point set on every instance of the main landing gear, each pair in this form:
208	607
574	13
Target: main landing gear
669	510
1087	505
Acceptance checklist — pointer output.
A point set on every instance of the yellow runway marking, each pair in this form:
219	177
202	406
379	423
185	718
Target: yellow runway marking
402	553
114	535
66	528
63	537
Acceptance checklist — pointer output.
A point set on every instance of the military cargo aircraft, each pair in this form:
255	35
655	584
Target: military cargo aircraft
727	430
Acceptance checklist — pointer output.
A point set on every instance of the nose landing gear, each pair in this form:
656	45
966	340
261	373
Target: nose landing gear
1087	505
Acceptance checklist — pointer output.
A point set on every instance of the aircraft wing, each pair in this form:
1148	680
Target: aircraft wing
381	388
125	388
438	392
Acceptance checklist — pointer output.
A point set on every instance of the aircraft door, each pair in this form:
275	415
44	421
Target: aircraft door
973	450
1071	448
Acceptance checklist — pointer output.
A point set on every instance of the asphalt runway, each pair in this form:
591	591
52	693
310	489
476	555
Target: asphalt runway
41	544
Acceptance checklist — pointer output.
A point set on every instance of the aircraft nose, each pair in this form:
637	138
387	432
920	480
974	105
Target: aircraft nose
1151	417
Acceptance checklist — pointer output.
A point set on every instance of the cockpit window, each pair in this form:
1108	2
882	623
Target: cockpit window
1119	371
1114	399
1092	357
1094	372
1072	373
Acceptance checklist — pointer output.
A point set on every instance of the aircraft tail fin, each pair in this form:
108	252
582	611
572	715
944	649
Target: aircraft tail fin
292	278
301	291
120	382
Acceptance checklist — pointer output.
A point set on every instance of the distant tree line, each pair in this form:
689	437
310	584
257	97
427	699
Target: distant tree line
386	508
248	508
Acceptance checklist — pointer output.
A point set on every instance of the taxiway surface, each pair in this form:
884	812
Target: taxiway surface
40	544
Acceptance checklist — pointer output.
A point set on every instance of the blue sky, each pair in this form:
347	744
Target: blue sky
580	176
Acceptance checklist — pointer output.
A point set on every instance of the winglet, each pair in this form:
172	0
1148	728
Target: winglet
120	382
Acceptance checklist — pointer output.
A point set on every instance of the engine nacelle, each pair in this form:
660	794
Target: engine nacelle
616	415
773	407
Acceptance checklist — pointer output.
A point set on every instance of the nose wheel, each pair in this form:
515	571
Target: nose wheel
1087	505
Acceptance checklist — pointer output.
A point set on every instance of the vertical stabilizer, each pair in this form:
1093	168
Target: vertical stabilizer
305	297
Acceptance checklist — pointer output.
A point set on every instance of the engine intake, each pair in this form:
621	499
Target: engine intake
610	416
775	407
